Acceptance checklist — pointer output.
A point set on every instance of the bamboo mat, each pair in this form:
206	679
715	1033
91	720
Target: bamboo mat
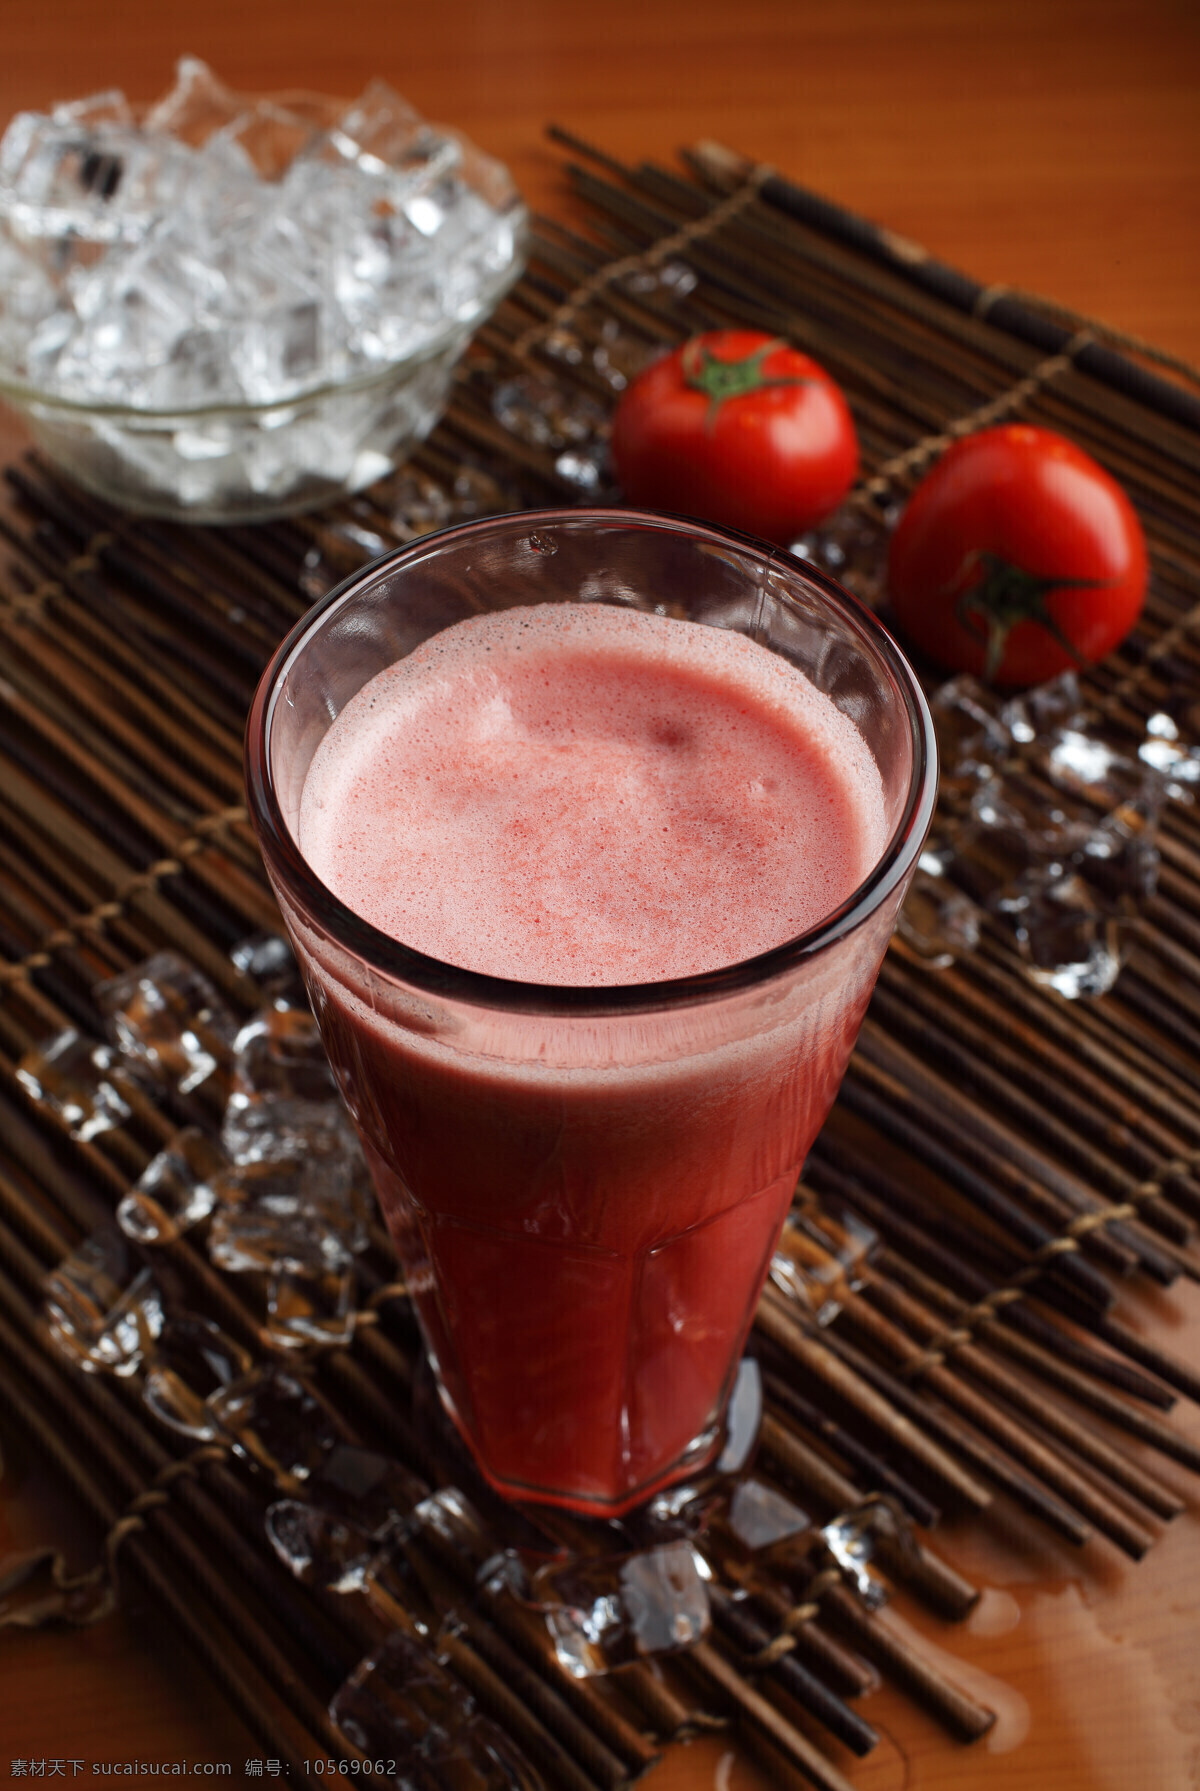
1022	1157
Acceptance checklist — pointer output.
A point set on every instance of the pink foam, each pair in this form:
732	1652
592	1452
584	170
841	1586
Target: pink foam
581	794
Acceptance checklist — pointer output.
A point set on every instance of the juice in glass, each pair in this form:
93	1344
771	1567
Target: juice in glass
590	899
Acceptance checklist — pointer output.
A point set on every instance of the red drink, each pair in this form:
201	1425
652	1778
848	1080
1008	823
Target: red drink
579	794
637	824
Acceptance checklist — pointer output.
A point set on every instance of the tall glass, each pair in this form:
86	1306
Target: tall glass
585	1185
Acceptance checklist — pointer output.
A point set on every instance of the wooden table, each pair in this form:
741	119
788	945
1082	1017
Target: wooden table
1051	145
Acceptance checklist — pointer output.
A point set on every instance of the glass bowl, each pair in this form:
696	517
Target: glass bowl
226	463
229	307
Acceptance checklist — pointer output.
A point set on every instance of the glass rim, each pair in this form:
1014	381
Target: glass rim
429	975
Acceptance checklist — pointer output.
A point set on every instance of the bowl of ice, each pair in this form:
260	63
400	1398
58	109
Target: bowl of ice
222	308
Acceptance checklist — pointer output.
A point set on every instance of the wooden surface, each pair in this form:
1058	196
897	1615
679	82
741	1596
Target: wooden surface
1053	146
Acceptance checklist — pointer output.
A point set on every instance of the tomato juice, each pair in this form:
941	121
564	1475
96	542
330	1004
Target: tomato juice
584	1126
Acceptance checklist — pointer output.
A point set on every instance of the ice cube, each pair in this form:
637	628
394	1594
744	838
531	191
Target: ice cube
1173	762
95	178
196	106
193	1359
852	545
604	1611
1085	763
318	1548
545	413
451	1515
1121	859
760	1516
819	1258
1037	712
195	370
70	1076
668	278
104	1306
372	1490
107	108
311	1305
169	1019
269	962
30	308
679	1514
938	921
174	1191
584	469
283	1100
758	1530
619	357
973	735
277	1424
270	136
851	1539
417	504
1019	826
1069	940
743	1417
382	133
288	1213
401	1704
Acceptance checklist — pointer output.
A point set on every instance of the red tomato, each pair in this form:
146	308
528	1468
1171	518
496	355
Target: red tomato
740	429
1017	558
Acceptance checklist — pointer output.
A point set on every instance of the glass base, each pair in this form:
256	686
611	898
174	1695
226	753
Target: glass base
699	1454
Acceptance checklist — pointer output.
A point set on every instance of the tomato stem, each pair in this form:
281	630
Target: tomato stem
719	380
1005	595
